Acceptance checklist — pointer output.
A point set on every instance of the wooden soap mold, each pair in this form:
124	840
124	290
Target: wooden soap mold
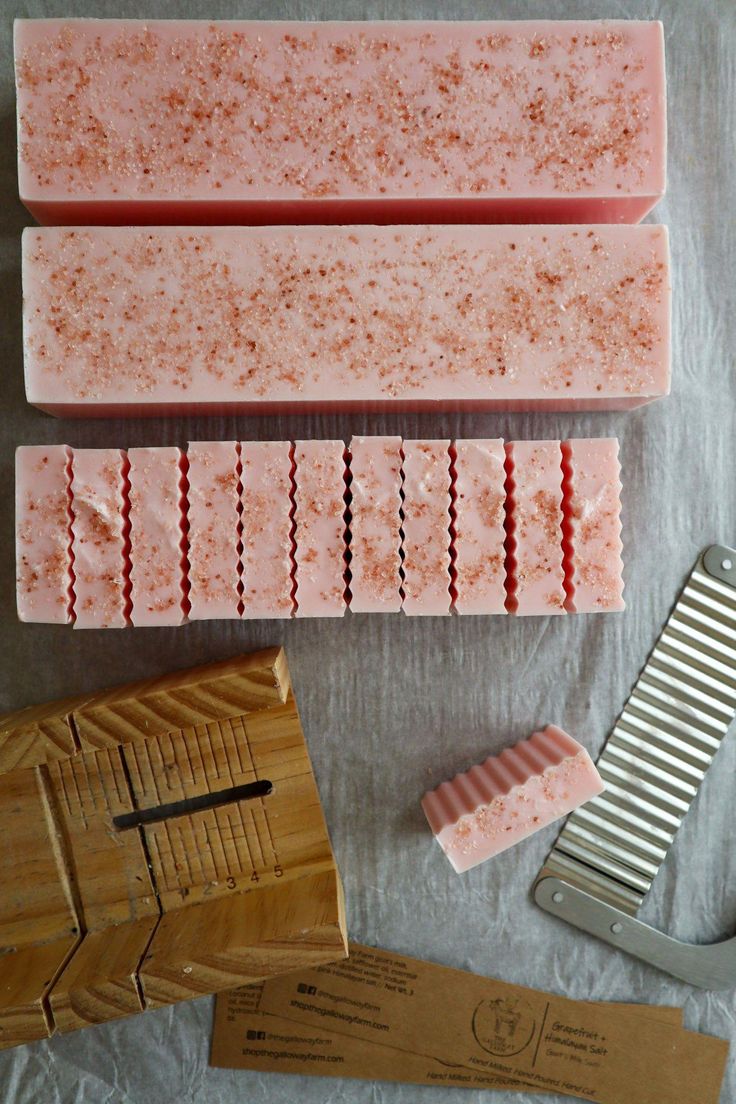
509	566
98	921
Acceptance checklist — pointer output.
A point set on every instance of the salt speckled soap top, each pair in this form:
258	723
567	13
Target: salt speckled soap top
165	320
147	120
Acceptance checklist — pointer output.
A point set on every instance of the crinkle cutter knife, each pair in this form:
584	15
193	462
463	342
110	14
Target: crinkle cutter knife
609	851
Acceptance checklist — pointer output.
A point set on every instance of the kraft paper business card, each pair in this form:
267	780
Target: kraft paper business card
377	1016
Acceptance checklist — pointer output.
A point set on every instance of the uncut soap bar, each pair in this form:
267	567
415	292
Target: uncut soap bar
124	121
173	320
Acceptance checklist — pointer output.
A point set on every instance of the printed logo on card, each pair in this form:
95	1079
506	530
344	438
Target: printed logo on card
504	1026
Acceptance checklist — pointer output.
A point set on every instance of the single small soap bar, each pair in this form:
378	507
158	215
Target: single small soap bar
98	492
43	533
375	524
426	528
200	121
267	524
174	320
213	519
156	536
479	503
320	528
593	528
536	583
508	797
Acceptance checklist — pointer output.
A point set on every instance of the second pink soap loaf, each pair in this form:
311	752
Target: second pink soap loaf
169	320
494	805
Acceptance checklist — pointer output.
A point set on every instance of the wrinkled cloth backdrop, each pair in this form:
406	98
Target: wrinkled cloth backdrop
393	705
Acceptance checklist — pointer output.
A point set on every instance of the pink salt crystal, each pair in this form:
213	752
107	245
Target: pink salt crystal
156	536
266	528
426	527
213	519
99	507
495	805
181	121
536	575
375	524
172	320
479	499
43	534
320	528
593	525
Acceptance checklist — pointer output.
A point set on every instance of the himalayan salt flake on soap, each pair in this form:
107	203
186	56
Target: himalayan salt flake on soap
43	534
426	528
267	525
99	524
536	584
375	524
156	536
479	499
507	798
320	528
213	518
593	525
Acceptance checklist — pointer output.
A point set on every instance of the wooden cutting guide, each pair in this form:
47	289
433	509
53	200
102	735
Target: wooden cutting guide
159	841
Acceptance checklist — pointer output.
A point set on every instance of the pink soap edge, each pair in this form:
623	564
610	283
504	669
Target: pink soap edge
470	812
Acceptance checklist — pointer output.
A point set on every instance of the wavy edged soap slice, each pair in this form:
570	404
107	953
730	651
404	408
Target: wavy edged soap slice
426	528
99	538
536	576
319	518
43	533
592	525
157	562
267	523
375	524
213	518
479	498
494	805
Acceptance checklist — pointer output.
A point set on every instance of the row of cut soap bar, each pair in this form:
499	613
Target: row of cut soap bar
168	320
271	529
179	121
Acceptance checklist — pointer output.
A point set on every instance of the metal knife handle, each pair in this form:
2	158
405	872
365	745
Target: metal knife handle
709	966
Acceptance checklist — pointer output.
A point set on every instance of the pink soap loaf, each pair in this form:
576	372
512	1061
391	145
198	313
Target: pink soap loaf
494	805
169	320
182	121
